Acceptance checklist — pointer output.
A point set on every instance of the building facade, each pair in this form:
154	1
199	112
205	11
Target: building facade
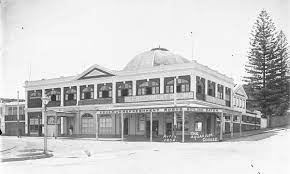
9	118
157	95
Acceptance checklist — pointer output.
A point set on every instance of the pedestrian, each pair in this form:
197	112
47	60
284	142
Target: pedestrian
70	130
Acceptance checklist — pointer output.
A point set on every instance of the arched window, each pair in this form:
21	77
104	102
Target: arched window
54	94
87	92
183	84
70	94
87	121
148	87
105	90
124	89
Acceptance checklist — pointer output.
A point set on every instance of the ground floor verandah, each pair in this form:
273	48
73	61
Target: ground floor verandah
183	124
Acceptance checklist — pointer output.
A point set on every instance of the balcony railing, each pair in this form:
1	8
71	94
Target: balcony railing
158	97
215	100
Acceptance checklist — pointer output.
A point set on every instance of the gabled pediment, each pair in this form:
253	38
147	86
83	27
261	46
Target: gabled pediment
95	71
239	90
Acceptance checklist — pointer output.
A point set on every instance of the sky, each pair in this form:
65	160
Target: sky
43	39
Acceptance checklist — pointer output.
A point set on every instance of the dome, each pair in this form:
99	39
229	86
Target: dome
154	57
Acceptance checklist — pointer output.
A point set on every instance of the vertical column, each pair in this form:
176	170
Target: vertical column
232	126
161	85
183	126
61	126
122	126
97	128
78	94
151	126
26	113
241	124
61	96
114	91
95	91
193	85
134	87
216	89
205	86
221	126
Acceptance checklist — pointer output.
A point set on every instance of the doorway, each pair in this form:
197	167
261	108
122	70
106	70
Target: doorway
168	128
155	125
126	126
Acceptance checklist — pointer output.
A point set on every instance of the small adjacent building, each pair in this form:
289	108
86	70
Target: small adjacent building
159	94
10	125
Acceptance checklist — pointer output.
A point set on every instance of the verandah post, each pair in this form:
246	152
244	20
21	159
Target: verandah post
221	126
122	126
97	128
241	124
183	126
151	126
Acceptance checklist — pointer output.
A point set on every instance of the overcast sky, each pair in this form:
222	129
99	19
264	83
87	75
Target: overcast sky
53	38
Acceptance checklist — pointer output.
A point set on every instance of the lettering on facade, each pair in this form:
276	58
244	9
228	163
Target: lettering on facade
169	138
176	109
199	137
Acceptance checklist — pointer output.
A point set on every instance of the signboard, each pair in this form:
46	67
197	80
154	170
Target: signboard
169	109
199	137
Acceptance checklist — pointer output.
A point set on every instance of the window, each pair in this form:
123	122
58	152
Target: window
198	126
183	84
87	124
124	89
70	93
200	85
87	92
105	90
211	88
140	122
169	85
54	94
235	118
228	96
179	122
148	87
10	111
220	91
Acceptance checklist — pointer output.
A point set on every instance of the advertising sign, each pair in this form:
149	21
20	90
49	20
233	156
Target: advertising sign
199	137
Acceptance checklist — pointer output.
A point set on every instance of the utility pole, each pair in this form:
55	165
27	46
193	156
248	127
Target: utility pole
191	35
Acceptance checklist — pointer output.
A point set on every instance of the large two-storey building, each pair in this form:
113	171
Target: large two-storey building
158	94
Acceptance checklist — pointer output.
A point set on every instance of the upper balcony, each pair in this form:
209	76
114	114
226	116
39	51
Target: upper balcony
215	100
158	97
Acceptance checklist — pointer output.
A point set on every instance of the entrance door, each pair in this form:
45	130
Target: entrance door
168	129
208	125
126	126
155	124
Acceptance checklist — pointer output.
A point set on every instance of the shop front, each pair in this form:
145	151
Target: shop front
182	124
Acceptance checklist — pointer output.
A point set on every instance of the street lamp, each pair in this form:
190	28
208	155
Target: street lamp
45	101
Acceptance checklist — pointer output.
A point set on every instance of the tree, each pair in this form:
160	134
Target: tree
282	79
266	67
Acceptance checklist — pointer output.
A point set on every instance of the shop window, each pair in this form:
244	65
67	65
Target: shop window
87	124
105	90
87	92
198	126
179	123
105	123
140	122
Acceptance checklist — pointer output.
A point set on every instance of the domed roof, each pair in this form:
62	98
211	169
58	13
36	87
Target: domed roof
155	57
